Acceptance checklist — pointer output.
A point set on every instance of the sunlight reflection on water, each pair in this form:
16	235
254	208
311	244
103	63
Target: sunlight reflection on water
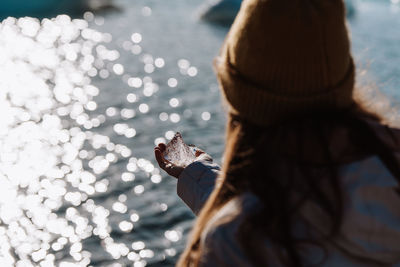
44	121
75	190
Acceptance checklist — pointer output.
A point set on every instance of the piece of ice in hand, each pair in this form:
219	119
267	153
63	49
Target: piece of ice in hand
178	152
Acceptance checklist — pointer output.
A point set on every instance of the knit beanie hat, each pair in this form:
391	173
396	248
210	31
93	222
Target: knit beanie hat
286	57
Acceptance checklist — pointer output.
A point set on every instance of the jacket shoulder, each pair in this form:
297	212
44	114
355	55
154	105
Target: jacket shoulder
221	245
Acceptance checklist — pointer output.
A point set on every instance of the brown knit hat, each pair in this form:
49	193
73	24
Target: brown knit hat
286	57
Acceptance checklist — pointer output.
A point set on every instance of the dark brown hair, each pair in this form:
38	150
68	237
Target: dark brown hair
285	165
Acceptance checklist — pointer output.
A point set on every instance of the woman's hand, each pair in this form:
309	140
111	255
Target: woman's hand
172	169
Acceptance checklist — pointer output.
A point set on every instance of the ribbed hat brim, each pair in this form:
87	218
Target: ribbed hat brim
263	107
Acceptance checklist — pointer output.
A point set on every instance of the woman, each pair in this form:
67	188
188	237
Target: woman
310	177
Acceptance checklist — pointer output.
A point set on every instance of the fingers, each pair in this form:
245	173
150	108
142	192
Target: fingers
162	147
159	157
162	162
199	152
165	164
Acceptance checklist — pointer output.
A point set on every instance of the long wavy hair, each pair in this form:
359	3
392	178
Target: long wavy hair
294	158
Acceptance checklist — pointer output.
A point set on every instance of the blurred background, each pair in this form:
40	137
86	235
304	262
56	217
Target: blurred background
88	88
